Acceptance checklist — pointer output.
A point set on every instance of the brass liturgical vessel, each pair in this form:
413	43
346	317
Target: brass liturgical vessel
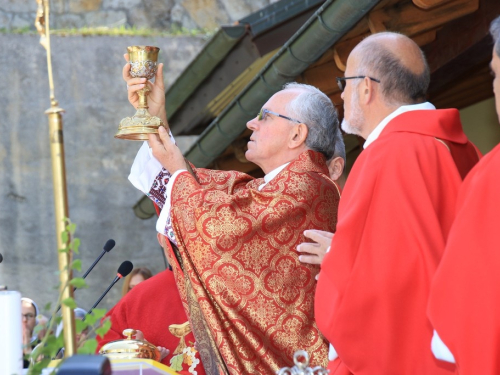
59	181
143	63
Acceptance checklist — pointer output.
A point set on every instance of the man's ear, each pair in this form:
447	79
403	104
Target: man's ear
336	168
368	90
298	135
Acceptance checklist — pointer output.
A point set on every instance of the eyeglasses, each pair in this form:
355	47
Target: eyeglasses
28	316
341	79
263	112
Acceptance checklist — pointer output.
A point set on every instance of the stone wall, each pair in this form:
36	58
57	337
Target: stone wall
159	14
89	87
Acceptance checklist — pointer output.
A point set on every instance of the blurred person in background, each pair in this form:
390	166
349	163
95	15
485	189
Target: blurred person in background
138	275
29	313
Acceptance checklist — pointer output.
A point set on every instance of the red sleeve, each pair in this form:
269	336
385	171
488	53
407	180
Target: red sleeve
463	305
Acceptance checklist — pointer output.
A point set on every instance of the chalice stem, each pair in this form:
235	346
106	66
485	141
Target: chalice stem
143	98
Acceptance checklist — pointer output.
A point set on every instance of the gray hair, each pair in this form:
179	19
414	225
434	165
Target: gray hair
339	146
398	83
495	33
317	112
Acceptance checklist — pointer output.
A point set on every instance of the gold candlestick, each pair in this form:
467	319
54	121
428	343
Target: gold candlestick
59	181
143	63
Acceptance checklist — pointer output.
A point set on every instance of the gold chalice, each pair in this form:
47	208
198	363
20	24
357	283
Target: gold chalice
143	63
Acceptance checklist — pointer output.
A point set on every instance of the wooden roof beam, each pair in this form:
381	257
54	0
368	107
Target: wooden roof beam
410	20
428	4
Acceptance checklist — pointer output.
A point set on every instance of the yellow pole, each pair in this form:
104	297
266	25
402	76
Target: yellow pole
59	181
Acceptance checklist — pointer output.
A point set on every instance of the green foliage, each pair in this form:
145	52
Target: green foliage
78	282
76	265
70	302
116	31
104	328
50	344
99	313
88	347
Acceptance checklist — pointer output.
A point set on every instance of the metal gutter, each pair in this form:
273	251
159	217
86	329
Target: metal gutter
276	13
328	24
210	56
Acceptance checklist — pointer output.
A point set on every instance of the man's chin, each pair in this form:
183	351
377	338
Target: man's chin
248	156
347	128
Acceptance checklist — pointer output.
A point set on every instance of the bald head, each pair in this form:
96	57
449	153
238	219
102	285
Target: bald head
398	63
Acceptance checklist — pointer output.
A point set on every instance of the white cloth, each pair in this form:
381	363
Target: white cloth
440	350
405	108
11	343
268	177
332	353
144	169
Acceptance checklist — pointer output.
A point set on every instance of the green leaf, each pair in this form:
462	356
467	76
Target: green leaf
65	237
80	325
75	245
71	228
88	347
65	250
70	302
102	330
76	265
99	313
78	282
91	319
38	367
47	306
38	328
176	362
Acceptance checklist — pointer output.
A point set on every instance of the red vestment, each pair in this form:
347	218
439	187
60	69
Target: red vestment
396	210
464	303
237	266
155	308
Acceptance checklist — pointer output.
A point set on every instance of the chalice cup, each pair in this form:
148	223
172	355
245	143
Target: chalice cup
143	63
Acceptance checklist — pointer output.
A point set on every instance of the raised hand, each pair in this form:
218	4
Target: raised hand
156	97
166	152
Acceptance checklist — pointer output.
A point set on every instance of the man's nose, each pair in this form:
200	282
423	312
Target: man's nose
252	124
342	95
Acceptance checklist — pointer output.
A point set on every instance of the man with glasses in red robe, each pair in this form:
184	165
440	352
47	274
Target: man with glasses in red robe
396	211
463	305
250	301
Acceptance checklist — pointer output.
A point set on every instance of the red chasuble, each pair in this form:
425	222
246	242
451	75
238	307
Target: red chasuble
396	211
250	299
464	305
155	308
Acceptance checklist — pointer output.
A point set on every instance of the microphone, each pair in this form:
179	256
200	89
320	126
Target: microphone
107	248
124	269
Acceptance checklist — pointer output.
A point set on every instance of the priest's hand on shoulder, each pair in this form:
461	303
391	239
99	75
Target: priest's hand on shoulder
314	252
166	152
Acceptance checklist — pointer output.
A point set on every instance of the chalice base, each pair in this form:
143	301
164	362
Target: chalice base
137	127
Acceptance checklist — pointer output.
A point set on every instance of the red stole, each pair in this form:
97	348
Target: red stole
238	253
155	308
396	210
464	303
